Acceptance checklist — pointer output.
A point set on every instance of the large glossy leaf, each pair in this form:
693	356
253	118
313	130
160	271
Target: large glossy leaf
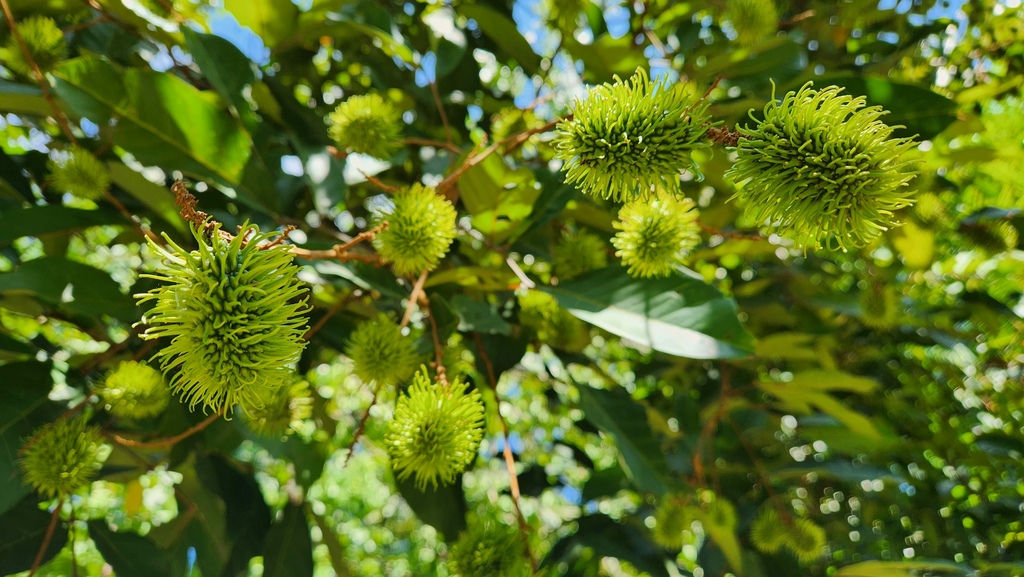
224	65
157	198
289	548
41	220
624	420
70	285
498	197
129	554
502	30
22	532
680	315
161	119
920	110
24	406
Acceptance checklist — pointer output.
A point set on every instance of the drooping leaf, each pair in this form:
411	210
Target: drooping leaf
608	538
922	111
69	285
130	554
41	220
289	548
24	406
680	315
23	529
224	65
443	508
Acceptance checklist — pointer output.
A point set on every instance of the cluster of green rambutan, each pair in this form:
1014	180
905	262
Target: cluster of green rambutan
804	538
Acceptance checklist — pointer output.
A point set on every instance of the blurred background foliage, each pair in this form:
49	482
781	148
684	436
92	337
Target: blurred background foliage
875	393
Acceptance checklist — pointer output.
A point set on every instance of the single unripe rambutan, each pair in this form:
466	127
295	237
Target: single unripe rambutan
767	531
879	307
752	20
420	229
821	167
671	518
279	410
720	513
134	390
805	539
628	139
380	352
435	432
554	326
656	234
62	457
234	313
79	172
45	42
367	124
488	549
579	252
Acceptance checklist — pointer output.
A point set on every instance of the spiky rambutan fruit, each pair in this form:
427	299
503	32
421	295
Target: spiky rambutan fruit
752	20
367	124
235	316
134	390
720	513
45	42
655	235
579	252
79	172
62	457
879	306
420	229
554	326
805	539
821	167
435	432
488	549
380	352
279	410
630	138
768	531
671	518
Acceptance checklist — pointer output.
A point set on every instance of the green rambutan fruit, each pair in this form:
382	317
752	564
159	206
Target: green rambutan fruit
488	549
628	139
720	513
279	410
367	124
420	229
879	307
655	235
671	518
134	390
821	167
235	316
45	42
79	172
435	432
768	531
554	326
380	352
805	539
752	20
63	456
579	252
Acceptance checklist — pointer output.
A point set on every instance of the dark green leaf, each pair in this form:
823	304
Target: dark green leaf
920	110
624	420
224	65
478	316
130	554
443	508
24	406
40	220
608	538
155	197
680	315
289	549
70	285
502	30
22	532
22	99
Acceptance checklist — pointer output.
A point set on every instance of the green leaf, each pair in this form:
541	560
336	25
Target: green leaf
70	285
823	380
904	569
271	20
607	57
478	316
162	119
22	532
130	554
607	538
224	65
810	389
24	406
41	220
289	549
22	99
443	508
920	110
157	198
680	315
625	421
498	197
502	30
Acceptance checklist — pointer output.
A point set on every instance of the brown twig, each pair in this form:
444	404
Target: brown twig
330	313
724	135
510	464
435	143
705	434
759	468
44	86
361	427
440	110
341	251
414	297
48	536
732	235
169	441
